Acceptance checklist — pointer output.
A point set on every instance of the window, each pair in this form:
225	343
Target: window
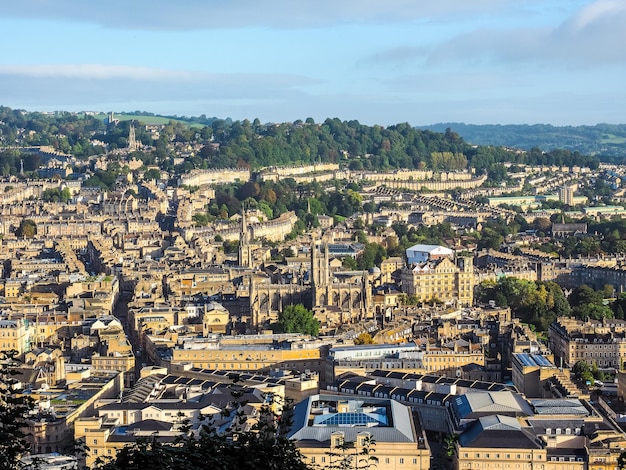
401	461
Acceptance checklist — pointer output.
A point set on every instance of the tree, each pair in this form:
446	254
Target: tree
619	306
582	371
27	229
538	303
200	219
13	409
542	224
584	294
264	445
490	239
373	254
230	246
297	319
592	312
346	454
152	174
450	444
349	263
56	195
364	338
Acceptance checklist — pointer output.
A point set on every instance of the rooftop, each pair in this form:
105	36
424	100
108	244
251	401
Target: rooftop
317	417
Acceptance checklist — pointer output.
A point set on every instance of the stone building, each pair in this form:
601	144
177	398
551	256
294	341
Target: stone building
441	279
597	342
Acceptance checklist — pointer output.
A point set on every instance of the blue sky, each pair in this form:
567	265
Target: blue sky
560	62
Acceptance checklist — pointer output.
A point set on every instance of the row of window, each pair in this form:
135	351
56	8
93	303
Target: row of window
471	357
401	460
506	456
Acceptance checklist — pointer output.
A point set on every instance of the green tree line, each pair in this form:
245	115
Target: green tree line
540	303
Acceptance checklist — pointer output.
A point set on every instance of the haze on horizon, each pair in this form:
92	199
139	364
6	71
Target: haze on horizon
560	62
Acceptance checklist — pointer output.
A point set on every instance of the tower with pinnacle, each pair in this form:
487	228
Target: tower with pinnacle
245	248
133	145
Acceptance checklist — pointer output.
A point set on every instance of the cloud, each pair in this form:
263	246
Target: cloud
216	14
397	55
67	86
594	35
247	97
93	71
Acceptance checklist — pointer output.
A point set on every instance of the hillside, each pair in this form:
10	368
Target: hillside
606	140
149	118
245	144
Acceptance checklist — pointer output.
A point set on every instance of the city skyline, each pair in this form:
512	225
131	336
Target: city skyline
487	61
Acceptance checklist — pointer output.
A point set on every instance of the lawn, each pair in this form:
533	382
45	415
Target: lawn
612	139
145	119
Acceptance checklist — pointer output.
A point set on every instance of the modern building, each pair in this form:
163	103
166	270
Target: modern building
421	253
566	194
333	429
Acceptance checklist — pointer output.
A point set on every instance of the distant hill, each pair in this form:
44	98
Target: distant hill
603	140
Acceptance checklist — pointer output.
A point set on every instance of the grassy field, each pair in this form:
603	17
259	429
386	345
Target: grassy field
612	139
144	119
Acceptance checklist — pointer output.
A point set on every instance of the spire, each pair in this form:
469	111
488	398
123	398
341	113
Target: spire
245	251
133	145
244	229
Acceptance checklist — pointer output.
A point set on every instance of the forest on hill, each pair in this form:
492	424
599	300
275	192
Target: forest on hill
251	144
605	140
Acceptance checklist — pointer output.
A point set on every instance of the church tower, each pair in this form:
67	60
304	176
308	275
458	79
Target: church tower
133	145
320	265
245	250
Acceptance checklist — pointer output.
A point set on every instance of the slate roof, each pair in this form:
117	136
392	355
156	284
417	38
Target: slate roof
498	432
559	406
474	404
541	425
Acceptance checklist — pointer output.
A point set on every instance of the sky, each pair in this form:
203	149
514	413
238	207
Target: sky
560	62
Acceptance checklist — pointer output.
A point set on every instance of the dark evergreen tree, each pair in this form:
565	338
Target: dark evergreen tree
14	408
